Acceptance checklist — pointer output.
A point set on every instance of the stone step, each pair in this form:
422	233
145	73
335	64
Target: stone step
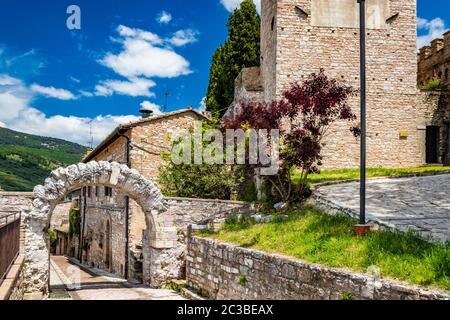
190	295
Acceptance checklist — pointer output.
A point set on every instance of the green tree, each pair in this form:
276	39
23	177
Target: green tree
209	181
241	50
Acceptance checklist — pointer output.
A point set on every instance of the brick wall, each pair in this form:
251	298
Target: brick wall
223	271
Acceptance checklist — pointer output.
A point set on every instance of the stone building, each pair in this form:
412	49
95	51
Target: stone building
434	61
112	224
299	37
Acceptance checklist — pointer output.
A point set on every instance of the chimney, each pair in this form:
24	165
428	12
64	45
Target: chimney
146	113
88	151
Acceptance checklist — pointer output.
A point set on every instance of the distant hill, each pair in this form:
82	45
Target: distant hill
26	160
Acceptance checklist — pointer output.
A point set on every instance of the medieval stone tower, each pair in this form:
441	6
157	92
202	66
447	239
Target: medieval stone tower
299	37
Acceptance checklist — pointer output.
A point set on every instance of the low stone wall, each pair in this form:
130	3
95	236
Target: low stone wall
15	202
12	287
202	211
223	271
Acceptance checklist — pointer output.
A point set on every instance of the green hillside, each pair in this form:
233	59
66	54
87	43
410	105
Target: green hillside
26	160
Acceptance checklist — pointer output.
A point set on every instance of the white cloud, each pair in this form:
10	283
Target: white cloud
435	29
136	87
6	80
17	113
230	5
141	56
85	93
140	34
147	105
74	79
52	92
164	17
183	37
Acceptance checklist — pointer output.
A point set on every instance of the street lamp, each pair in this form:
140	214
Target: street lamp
362	228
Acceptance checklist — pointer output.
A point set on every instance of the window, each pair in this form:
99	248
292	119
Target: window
446	74
272	26
96	191
108	192
89	191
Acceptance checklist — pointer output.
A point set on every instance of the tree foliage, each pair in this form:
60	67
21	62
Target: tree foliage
209	181
303	116
74	221
241	49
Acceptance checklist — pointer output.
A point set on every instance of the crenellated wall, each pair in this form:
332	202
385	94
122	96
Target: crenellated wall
433	62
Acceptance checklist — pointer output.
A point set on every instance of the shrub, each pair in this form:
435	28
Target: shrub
210	181
52	239
243	280
74	221
434	84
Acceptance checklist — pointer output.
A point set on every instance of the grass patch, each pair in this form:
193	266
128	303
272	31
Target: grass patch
347	174
318	238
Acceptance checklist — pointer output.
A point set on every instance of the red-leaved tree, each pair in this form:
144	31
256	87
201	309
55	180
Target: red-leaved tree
303	116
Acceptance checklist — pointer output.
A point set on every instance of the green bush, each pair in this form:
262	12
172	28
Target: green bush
52	239
74	221
434	84
209	181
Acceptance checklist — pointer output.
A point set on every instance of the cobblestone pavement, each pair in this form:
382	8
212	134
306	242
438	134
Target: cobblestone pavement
418	203
69	281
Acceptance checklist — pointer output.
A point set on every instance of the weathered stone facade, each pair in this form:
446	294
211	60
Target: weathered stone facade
433	112
301	37
434	61
224	271
114	225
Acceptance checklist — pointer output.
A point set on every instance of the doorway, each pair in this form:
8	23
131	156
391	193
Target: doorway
432	144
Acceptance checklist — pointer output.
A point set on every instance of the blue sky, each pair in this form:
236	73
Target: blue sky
54	81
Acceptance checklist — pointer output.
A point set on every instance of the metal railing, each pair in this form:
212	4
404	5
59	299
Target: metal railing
9	242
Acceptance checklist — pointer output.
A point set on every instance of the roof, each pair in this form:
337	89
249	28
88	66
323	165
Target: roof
121	129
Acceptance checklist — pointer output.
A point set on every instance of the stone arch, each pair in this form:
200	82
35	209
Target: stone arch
162	235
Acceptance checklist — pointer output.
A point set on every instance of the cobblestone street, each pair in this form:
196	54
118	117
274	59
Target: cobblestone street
419	203
69	281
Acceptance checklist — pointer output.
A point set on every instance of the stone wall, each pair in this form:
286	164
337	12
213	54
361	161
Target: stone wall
202	211
223	271
434	61
14	202
60	214
155	138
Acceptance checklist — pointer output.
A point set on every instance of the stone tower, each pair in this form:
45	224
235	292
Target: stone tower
299	37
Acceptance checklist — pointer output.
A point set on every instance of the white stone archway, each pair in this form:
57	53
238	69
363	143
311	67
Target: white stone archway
161	239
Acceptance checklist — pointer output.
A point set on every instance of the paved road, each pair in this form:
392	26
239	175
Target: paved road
418	203
69	281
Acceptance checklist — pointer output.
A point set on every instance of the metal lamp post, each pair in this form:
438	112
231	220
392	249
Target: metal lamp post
362	228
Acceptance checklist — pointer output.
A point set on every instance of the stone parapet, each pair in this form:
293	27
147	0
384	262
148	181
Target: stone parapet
223	271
